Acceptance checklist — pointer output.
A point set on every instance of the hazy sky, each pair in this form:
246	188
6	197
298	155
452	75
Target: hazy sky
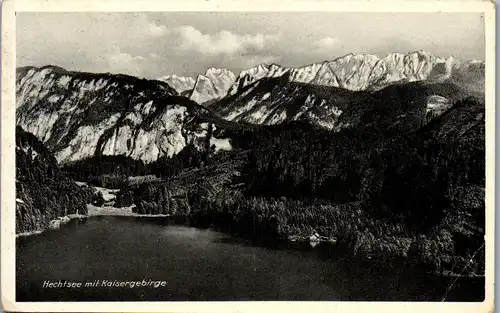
156	44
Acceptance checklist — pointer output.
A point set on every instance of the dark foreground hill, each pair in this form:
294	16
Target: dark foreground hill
43	192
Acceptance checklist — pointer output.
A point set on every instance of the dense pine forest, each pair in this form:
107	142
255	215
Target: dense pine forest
44	193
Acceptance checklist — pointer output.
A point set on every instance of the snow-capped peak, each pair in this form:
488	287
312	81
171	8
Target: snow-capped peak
220	72
213	85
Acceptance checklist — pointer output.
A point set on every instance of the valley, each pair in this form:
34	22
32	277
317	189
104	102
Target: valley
384	158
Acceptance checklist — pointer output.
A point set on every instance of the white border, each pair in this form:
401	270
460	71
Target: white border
9	7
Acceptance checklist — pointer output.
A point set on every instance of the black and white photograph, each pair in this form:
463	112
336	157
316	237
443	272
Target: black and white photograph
249	156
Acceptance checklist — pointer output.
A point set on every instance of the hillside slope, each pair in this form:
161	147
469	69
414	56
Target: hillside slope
272	101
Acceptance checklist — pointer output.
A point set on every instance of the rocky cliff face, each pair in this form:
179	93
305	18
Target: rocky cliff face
78	115
213	85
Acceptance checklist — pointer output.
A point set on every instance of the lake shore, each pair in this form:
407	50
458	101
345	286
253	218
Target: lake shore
92	211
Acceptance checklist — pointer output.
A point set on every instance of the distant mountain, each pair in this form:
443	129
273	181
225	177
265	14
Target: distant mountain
255	73
213	85
470	75
179	83
370	72
207	87
79	115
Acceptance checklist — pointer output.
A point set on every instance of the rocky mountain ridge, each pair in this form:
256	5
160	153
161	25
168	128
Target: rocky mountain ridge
271	101
79	115
212	85
368	72
353	71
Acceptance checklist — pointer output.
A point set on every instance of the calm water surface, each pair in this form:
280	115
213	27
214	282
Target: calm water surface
198	265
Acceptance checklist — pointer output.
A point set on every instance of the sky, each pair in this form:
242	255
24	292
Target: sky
154	44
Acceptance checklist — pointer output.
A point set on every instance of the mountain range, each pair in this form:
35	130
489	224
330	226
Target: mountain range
352	72
79	115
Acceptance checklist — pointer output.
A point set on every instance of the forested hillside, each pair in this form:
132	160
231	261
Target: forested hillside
43	191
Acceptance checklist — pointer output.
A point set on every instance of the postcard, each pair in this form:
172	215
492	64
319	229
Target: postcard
230	156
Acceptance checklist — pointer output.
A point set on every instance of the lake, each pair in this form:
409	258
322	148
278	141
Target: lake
179	263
